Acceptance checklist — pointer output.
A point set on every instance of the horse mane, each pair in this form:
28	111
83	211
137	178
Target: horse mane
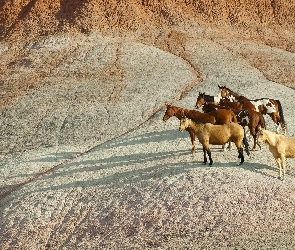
233	92
196	121
209	98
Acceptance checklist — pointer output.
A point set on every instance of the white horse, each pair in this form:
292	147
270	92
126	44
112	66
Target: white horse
280	146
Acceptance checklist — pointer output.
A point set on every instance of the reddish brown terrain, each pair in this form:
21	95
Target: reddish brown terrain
86	160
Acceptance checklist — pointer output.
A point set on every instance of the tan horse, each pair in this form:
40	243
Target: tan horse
217	135
280	146
250	118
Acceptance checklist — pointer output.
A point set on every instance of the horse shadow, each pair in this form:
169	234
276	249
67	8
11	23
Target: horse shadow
132	177
255	167
115	161
135	176
166	135
121	179
154	168
55	157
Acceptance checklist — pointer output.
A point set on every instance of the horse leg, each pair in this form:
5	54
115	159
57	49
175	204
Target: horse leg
241	155
279	163
248	132
255	142
206	149
255	136
192	135
230	145
283	166
253	133
210	158
205	157
227	146
276	120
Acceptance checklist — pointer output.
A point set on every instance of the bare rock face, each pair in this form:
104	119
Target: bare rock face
98	82
86	160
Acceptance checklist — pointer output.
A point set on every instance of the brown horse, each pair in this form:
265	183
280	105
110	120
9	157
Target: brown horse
181	113
232	105
223	115
216	135
253	120
280	146
263	105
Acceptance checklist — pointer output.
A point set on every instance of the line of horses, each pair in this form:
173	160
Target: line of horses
226	117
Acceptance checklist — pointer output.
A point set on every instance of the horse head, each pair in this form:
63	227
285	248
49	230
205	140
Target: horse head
261	136
169	112
225	92
184	122
200	100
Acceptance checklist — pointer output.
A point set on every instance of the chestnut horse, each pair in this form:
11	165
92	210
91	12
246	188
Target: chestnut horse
217	135
219	117
263	105
280	146
181	113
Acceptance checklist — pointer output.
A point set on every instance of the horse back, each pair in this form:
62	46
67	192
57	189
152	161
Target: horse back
236	128
248	105
220	134
199	116
287	145
224	116
229	104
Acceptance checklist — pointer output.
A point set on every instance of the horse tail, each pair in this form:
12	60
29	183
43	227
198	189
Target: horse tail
246	144
282	119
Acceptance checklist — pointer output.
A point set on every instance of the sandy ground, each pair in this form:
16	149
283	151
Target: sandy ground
144	189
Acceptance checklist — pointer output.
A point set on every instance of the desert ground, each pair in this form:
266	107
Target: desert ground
87	161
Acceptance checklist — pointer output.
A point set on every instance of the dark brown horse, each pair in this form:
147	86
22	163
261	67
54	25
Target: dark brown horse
263	105
203	98
193	114
253	120
223	115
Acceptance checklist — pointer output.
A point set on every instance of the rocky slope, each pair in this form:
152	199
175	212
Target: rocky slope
83	87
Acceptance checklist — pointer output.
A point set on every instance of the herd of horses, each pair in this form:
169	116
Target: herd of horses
225	119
